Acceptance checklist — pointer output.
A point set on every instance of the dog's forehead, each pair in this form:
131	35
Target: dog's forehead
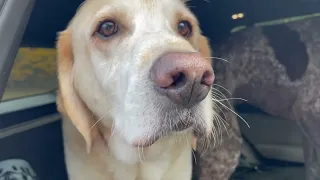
139	3
142	13
156	4
93	7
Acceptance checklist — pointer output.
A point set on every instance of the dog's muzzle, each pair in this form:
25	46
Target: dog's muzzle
185	78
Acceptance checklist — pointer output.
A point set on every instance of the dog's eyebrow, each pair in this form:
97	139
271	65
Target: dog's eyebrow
113	13
109	11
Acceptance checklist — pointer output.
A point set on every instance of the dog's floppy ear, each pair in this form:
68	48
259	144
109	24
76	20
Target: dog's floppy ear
205	49
68	99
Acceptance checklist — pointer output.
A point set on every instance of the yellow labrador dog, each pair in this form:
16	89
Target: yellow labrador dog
134	85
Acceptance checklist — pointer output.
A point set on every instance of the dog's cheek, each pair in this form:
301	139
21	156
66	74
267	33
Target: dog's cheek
135	131
103	73
123	80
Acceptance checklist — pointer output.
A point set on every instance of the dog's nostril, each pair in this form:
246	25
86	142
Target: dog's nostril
207	78
185	78
178	80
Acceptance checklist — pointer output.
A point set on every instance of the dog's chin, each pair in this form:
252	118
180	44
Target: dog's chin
169	120
197	129
147	142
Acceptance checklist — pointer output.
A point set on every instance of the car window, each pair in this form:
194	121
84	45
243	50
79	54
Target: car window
33	73
34	70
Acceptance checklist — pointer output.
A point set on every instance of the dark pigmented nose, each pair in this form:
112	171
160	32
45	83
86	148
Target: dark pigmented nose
185	78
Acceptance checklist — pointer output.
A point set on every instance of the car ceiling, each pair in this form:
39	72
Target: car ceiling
50	17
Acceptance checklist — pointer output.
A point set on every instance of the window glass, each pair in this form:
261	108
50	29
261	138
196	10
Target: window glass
33	73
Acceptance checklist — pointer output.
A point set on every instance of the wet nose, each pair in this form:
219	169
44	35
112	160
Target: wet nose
185	78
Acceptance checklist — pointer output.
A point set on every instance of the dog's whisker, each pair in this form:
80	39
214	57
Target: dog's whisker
95	108
215	130
219	122
232	99
221	95
219	127
113	130
214	99
218	103
217	91
139	154
206	142
220	109
222	121
97	122
98	104
217	58
221	99
235	113
205	146
223	88
192	7
217	94
143	157
110	110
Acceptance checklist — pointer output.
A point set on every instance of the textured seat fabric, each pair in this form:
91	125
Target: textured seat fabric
1	3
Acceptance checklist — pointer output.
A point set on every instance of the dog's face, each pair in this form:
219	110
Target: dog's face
136	65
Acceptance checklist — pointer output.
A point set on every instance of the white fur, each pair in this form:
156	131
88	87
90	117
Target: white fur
114	84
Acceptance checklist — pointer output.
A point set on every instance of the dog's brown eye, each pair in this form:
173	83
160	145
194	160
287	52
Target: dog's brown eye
185	28
107	29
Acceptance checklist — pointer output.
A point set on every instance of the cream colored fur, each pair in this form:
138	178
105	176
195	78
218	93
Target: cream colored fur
104	99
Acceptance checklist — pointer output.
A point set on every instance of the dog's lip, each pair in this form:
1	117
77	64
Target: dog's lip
146	142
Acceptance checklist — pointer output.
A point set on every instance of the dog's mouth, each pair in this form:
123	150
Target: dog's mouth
180	126
146	142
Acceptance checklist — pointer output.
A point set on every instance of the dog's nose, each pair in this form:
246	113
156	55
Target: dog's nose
186	78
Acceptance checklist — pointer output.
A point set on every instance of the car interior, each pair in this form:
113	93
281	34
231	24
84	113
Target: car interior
30	126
